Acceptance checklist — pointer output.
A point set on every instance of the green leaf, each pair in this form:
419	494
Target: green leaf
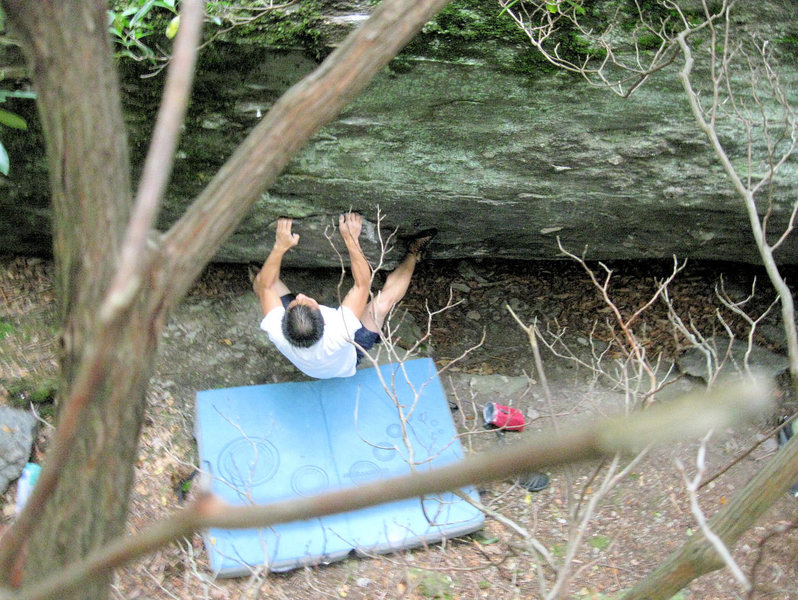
508	7
139	34
167	4
552	7
12	120
116	23
4	164
578	9
142	12
17	94
174	25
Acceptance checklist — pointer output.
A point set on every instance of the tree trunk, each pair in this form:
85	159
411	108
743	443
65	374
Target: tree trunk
67	47
698	556
79	105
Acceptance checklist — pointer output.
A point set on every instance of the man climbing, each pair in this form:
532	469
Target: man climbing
322	341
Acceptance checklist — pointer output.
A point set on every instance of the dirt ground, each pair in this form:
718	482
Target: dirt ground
212	341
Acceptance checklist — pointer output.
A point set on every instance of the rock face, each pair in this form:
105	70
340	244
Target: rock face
502	162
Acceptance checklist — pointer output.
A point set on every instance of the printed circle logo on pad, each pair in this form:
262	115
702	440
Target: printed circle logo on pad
363	471
309	480
248	461
385	451
394	430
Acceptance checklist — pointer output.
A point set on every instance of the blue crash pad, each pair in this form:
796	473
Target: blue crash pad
273	442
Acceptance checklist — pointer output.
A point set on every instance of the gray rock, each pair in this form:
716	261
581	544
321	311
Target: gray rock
404	329
694	362
460	287
501	161
405	333
467	272
774	334
17	431
499	388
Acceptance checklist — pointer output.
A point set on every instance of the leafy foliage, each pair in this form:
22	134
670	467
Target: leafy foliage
137	25
13	120
299	25
472	20
132	22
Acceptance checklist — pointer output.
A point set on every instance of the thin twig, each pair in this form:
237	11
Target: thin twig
692	485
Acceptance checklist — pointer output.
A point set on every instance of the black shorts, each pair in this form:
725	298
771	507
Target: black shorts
364	338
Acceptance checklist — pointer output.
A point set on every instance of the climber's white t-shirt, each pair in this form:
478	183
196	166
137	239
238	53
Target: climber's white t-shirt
334	355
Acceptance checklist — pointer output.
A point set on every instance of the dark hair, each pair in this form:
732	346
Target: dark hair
303	326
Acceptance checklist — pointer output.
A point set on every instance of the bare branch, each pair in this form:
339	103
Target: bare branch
636	351
510	524
692	415
692	486
747	196
602	65
158	164
720	100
